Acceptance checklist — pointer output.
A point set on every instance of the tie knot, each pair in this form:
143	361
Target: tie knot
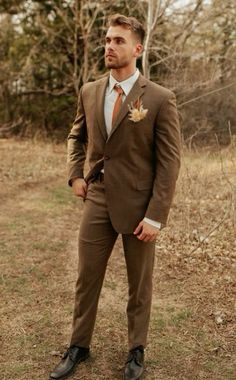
118	89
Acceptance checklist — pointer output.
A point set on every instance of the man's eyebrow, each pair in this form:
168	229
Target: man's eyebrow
115	38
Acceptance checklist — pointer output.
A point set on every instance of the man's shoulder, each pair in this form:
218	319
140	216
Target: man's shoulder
93	84
158	89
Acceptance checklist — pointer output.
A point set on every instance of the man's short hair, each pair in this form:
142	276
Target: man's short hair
129	23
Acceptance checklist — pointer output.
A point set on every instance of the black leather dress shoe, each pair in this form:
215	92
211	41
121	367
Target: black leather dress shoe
134	365
70	359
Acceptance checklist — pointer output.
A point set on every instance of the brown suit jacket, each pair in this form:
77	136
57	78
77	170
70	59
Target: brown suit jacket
141	159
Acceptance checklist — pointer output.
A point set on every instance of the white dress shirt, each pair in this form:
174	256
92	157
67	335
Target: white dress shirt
110	98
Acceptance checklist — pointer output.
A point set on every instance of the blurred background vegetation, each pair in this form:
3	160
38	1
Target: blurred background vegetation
48	49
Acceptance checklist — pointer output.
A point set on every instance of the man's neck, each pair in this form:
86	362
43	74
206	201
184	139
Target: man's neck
122	74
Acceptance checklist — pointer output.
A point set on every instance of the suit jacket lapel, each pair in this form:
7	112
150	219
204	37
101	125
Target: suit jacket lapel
135	93
100	98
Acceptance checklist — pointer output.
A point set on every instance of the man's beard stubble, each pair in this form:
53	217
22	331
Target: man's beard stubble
116	65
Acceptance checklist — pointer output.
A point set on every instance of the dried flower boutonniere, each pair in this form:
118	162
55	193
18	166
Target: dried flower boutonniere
136	111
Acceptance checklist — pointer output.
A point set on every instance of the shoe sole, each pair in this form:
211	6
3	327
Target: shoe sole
138	378
72	371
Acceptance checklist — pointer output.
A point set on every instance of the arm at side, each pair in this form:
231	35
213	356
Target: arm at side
77	144
167	155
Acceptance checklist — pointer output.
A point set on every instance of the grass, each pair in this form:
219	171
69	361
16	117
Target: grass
193	278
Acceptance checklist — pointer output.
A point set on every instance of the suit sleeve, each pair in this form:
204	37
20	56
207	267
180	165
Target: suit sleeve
167	157
77	143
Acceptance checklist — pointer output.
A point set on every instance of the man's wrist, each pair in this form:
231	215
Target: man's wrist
71	180
153	222
74	179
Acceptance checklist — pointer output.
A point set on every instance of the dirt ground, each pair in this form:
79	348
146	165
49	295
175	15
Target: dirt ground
192	331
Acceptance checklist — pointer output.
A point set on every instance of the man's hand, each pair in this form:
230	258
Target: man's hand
79	187
146	232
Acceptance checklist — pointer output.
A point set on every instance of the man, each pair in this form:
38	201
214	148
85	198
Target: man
128	129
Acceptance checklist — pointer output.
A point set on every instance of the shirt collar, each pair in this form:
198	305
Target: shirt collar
126	84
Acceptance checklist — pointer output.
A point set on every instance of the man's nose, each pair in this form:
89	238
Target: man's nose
110	46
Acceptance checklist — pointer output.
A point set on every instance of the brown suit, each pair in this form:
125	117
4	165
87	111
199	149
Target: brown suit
141	160
141	164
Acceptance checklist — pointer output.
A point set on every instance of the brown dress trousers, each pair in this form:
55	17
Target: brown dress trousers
96	240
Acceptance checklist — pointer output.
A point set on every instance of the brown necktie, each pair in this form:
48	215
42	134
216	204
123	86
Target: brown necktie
118	103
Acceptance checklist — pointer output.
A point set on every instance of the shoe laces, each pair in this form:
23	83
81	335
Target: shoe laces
66	353
136	355
73	352
69	352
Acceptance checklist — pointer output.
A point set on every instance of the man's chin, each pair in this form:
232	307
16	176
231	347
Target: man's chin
110	65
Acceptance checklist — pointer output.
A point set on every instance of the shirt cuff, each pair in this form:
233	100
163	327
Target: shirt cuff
153	222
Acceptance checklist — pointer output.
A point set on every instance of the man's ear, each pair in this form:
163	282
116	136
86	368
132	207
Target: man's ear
139	50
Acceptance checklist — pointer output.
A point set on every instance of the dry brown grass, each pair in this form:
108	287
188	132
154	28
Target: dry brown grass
192	331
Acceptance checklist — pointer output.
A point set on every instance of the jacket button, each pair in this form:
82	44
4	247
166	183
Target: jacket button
107	157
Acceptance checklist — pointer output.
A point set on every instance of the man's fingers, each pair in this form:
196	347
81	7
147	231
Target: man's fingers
146	232
80	194
154	238
79	187
142	236
138	229
150	238
85	186
146	237
80	190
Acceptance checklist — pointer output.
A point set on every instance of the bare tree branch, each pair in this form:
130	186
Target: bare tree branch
207	93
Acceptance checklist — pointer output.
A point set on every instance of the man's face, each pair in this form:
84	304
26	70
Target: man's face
121	47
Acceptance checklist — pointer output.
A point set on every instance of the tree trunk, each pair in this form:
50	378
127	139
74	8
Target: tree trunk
152	17
75	72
